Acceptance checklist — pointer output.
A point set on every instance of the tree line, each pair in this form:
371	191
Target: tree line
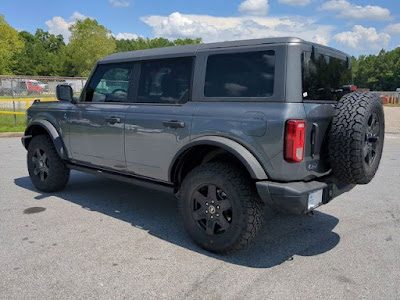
43	53
46	54
378	72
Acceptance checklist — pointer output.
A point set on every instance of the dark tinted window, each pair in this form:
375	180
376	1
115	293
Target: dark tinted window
165	81
248	74
324	77
110	83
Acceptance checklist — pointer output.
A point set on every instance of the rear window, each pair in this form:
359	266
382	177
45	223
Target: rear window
248	74
165	81
324	77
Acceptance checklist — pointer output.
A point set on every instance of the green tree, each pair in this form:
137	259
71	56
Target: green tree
142	43
89	42
41	55
378	72
187	41
10	44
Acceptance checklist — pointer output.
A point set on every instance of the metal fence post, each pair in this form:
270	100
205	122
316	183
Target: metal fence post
15	116
12	94
12	88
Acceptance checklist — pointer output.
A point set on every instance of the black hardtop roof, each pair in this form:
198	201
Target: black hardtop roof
190	50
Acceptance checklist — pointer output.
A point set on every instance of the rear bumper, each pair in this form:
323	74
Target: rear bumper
292	197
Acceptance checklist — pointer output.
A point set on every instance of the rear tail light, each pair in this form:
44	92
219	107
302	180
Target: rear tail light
294	140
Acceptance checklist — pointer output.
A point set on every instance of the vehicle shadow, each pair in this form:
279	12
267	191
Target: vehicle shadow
283	236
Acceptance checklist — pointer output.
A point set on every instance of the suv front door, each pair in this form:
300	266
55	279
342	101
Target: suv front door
97	122
159	123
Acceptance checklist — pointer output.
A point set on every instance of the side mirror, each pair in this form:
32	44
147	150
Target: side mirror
64	93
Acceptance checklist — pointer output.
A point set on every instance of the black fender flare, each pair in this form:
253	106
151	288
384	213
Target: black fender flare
52	132
250	162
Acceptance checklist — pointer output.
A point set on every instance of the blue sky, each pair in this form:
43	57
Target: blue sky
354	26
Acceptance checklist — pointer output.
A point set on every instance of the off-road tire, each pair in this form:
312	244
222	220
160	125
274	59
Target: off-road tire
350	137
247	209
57	172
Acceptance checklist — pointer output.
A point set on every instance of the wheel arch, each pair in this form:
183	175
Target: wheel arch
210	147
44	127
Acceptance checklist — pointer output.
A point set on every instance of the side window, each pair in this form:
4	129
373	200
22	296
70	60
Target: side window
248	74
324	77
166	81
110	83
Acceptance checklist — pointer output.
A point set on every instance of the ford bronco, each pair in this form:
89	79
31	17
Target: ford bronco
227	127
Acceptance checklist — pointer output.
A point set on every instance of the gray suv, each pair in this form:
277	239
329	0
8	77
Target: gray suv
227	127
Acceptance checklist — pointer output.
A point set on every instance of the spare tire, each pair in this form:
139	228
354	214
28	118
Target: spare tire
356	138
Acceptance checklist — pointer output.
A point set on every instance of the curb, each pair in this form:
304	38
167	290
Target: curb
11	134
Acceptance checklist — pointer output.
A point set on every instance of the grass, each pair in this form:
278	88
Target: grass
393	105
7	123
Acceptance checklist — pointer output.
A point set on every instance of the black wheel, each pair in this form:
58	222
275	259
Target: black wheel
356	138
220	207
46	169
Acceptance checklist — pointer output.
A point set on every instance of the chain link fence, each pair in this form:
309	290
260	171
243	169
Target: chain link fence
17	93
388	97
33	86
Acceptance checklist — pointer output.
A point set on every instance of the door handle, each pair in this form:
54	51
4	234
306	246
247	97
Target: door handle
174	124
113	120
314	136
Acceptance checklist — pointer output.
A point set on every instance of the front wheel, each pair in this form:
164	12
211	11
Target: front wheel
46	169
220	207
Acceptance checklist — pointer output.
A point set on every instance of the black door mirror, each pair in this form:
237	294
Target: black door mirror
64	93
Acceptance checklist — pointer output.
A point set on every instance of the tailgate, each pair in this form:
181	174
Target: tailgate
318	119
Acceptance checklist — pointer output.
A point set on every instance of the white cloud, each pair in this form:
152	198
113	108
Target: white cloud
126	36
393	29
211	28
348	10
58	25
295	2
362	38
78	16
119	3
254	7
177	25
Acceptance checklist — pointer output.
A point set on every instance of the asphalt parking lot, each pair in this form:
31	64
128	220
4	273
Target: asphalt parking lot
102	239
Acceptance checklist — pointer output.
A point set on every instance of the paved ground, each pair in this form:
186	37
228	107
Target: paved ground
392	119
102	239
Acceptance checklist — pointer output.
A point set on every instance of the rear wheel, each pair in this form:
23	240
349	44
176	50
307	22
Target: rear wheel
220	207
46	169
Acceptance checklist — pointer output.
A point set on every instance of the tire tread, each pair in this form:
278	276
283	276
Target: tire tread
346	137
251	203
60	173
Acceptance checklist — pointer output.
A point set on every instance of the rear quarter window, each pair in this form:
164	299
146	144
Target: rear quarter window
249	74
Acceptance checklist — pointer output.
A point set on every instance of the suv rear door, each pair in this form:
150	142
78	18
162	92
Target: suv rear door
97	122
326	77
159	122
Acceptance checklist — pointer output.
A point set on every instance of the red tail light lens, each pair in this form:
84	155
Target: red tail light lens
294	140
